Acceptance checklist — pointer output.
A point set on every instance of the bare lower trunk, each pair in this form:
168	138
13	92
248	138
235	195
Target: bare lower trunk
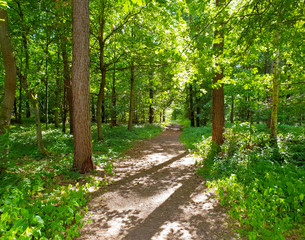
83	161
218	125
7	104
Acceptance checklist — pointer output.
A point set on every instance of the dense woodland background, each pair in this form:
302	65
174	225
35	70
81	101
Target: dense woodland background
233	69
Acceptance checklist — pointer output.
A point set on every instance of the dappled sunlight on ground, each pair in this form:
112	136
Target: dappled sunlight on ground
156	195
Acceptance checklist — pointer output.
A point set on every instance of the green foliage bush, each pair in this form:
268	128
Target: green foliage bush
267	196
41	198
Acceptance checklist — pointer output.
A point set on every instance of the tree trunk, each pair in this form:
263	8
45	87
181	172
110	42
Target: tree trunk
191	99
131	106
113	98
99	104
93	109
57	91
7	104
19	117
33	98
67	83
275	92
83	161
218	124
197	98
64	111
232	110
151	108
47	89
28	109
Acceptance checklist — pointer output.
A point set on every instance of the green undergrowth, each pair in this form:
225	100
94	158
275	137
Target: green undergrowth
40	197
263	184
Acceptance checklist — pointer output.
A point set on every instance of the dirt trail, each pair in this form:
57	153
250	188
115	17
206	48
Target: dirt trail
157	196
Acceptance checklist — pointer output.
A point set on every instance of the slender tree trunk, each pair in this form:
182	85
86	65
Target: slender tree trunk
275	92
57	91
33	98
83	161
93	109
67	83
151	108
113	98
64	111
191	99
28	109
218	124
131	106
47	89
7	104
163	115
268	98
232	110
19	117
99	108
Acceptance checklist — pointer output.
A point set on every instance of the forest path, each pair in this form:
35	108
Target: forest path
156	196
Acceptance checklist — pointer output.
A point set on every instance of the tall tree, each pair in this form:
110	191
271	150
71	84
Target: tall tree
83	161
275	92
218	124
7	104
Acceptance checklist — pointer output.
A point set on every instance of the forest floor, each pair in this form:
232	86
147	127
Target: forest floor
156	194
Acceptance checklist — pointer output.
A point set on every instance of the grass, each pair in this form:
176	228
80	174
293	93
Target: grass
40	197
262	185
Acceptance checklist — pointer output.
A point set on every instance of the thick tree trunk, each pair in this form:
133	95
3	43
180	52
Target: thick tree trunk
7	104
83	161
218	125
275	90
131	105
191	99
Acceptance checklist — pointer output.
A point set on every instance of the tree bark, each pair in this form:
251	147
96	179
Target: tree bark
83	161
131	105
57	91
113	98
67	83
232	110
151	108
7	104
275	90
191	99
218	124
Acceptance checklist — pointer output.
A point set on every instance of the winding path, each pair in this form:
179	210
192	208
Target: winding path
156	196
